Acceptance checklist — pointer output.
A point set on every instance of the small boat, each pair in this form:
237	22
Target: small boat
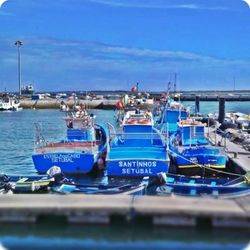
56	182
9	103
138	149
32	184
83	147
191	151
197	186
137	187
25	184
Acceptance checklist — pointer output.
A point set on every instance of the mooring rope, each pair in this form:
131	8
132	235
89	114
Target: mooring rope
203	166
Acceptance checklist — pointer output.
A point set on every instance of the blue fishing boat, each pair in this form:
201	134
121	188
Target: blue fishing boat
83	147
138	149
191	151
215	187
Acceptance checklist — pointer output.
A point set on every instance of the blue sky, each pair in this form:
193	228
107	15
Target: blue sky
112	44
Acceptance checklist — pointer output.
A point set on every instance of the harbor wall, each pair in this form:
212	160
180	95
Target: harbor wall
55	104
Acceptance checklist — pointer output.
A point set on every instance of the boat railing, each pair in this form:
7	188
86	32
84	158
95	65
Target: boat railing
78	121
220	141
81	144
39	138
136	139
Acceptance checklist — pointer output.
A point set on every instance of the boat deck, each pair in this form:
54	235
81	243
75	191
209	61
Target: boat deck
145	153
96	209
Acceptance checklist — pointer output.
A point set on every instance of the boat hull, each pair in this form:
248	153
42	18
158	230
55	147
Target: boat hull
69	162
101	189
200	162
186	186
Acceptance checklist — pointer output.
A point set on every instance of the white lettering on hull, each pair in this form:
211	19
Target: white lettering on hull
61	157
138	164
137	167
137	171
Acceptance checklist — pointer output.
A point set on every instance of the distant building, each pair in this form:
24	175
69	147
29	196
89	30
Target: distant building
27	90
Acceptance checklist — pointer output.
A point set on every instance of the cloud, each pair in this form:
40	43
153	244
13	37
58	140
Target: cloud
166	4
55	64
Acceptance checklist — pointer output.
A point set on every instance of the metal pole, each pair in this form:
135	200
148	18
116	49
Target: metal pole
19	70
19	44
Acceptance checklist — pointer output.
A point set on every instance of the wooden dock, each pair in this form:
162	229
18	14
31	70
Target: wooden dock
105	209
236	153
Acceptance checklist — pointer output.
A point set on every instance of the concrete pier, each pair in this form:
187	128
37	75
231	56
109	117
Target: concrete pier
221	110
212	98
236	153
55	104
96	209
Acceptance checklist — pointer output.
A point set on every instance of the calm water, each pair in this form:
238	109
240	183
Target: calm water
16	148
208	107
118	237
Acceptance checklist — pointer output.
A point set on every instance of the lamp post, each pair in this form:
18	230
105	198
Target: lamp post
19	43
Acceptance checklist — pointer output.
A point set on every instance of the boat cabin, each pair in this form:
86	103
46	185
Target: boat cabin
80	127
170	118
191	132
138	121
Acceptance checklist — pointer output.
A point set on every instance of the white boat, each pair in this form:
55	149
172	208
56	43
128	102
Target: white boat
8	103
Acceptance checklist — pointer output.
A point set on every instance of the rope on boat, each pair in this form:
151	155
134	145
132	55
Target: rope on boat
203	166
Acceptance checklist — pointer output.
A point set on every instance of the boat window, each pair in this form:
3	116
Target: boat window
137	116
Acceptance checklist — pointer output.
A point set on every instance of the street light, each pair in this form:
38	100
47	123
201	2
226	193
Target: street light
19	44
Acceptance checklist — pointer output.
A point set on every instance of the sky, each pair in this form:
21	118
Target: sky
112	44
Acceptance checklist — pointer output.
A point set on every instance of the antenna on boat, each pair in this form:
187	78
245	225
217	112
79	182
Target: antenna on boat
190	136
167	138
179	100
111	134
39	139
175	79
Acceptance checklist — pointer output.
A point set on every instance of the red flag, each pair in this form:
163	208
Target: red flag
133	89
119	105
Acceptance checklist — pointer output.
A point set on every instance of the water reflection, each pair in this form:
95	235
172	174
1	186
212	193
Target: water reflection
62	236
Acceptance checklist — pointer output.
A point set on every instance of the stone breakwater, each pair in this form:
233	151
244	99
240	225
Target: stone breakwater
55	104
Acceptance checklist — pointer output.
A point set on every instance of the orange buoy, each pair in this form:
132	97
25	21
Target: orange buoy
131	121
143	121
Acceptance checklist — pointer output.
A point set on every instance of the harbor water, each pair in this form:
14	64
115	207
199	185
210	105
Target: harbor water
16	147
118	238
17	131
